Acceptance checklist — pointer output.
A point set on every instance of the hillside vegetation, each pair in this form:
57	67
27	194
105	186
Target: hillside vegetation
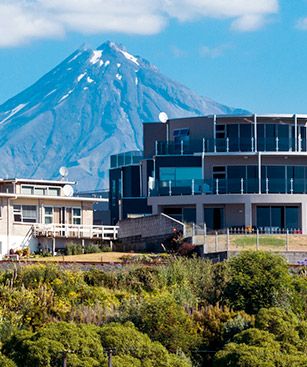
250	311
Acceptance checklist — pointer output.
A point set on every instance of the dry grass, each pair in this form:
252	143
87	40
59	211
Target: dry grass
106	257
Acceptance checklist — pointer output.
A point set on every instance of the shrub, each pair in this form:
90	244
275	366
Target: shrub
45	348
134	348
258	279
73	249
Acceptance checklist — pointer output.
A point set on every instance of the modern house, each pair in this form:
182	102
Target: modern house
226	171
44	214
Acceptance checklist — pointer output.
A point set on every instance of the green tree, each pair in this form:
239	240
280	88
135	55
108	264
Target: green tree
135	349
45	348
165	321
258	348
258	280
6	362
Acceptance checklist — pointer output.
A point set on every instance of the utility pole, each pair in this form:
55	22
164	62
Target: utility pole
64	359
109	353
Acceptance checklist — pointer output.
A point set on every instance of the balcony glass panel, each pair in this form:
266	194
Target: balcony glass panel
126	159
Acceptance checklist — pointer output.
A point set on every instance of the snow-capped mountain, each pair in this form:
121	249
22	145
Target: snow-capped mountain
88	107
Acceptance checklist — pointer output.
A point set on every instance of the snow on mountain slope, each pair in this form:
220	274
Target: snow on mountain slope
88	107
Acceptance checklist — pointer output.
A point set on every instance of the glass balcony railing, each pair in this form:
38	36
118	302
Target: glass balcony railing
230	145
126	159
229	186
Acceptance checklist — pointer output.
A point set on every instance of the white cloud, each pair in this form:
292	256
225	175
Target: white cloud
302	24
18	25
23	20
213	52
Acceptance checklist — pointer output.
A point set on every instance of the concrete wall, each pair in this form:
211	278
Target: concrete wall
146	233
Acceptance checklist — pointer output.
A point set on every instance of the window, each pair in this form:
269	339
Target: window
25	213
278	217
40	190
180	173
219	172
76	215
27	190
54	191
181	135
48	214
220	131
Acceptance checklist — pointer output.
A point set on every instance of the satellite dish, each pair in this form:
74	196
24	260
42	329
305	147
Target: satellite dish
68	190
63	172
163	117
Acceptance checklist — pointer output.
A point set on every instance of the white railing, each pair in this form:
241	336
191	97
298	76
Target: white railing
75	231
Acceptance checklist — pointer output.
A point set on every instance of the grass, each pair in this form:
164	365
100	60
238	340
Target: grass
108	257
264	241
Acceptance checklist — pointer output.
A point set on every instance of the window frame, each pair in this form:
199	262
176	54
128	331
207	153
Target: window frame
78	217
18	210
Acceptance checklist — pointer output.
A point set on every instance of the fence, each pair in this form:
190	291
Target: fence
237	239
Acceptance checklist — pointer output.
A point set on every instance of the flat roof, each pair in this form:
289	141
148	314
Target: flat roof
251	115
40	181
65	198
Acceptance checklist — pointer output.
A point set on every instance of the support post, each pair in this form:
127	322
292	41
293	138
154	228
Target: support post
214	132
259	173
53	246
227	240
199	214
257	239
295	133
216	243
255	134
248	214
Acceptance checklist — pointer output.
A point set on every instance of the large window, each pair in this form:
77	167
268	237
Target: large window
180	173
25	213
181	135
278	217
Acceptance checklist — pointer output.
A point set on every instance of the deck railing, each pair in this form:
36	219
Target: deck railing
205	145
229	186
75	231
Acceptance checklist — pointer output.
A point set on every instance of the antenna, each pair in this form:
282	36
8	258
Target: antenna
63	172
163	117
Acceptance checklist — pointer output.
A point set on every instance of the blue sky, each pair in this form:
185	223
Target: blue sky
242	54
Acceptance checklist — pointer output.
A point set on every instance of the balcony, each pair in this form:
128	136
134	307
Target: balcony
230	145
229	186
74	231
126	159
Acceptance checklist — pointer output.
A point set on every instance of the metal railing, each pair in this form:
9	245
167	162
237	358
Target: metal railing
126	159
249	238
75	231
274	144
228	186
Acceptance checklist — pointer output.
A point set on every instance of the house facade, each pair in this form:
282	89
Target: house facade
225	171
44	214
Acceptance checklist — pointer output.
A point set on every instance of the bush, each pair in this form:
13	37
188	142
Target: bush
166	322
186	249
91	249
134	348
73	249
45	348
258	280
